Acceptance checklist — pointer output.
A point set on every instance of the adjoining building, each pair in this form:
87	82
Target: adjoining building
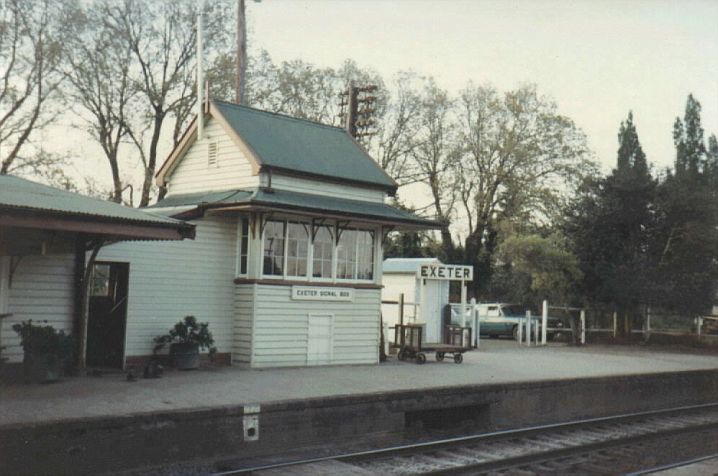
45	234
290	220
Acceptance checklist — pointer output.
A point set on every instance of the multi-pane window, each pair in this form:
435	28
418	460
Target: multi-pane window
286	252
274	233
323	249
346	255
297	248
365	255
243	248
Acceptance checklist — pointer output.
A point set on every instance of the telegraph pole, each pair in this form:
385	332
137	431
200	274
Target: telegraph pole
241	52
357	110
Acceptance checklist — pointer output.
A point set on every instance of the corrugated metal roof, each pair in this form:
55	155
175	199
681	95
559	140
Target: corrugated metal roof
295	201
303	146
20	194
406	265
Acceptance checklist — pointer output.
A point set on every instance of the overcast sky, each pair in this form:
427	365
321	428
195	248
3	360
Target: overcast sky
597	59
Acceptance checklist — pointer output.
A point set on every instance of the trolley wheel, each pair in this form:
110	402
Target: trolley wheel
420	358
439	356
458	358
401	355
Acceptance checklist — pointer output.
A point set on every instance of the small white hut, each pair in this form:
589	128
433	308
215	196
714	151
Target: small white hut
401	276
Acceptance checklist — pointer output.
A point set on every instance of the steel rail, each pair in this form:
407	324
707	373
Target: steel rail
437	444
673	465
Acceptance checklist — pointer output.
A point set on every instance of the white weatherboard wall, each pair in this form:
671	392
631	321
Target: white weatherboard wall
436	296
194	174
172	279
42	289
280	330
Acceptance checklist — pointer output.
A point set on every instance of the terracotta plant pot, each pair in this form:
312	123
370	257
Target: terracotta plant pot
185	356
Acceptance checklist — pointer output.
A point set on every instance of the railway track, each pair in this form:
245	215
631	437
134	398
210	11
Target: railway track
610	445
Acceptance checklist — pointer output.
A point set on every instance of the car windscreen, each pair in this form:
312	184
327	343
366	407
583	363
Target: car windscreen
514	310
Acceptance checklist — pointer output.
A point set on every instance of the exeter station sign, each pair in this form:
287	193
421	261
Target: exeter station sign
318	293
446	272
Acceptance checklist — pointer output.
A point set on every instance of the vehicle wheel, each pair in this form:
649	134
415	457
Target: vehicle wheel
458	358
439	356
515	332
401	355
420	358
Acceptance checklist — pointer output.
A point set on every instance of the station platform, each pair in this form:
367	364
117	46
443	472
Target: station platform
85	422
496	362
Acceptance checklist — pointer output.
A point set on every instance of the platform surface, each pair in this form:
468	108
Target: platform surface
501	361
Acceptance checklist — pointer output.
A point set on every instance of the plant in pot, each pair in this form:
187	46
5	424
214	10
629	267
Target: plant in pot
47	351
186	339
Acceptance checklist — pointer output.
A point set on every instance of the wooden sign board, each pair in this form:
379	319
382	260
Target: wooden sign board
446	272
321	293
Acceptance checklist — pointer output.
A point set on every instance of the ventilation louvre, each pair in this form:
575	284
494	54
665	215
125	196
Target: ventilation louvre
212	154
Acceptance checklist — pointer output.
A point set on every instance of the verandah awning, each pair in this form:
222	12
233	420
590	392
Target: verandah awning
273	200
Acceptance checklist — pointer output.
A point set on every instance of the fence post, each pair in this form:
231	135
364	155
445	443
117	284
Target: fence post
699	325
647	332
520	334
583	326
544	321
475	322
401	309
536	332
528	328
615	323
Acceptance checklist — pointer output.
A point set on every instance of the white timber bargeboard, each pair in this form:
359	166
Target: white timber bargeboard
42	289
323	188
172	279
194	174
280	328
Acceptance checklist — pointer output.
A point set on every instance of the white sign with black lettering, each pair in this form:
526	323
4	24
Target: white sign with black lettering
321	293
446	272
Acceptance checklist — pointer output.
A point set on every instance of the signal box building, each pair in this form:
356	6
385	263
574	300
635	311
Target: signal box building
290	219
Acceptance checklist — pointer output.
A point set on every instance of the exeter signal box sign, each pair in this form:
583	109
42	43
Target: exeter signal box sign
446	272
311	293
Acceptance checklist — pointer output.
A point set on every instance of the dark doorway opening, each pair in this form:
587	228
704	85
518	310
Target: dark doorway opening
108	315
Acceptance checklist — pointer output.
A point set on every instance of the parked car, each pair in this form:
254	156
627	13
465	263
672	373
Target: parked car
501	319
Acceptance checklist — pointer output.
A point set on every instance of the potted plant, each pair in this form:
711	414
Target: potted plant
186	339
47	351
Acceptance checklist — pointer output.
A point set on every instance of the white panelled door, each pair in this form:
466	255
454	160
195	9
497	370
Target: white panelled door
319	339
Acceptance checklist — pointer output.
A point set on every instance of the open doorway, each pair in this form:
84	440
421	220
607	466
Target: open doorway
108	315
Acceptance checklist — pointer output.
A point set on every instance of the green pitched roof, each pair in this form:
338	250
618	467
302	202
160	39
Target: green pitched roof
302	146
22	195
283	200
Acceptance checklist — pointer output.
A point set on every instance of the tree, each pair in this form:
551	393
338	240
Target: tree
33	52
520	155
537	268
687	268
611	224
161	37
434	154
688	139
99	71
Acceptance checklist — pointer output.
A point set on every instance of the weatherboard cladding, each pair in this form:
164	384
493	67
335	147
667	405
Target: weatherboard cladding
24	195
301	146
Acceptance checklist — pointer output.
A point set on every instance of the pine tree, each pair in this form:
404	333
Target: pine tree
688	139
610	226
687	271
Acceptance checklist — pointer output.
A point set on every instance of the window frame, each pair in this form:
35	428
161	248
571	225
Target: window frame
335	239
240	239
